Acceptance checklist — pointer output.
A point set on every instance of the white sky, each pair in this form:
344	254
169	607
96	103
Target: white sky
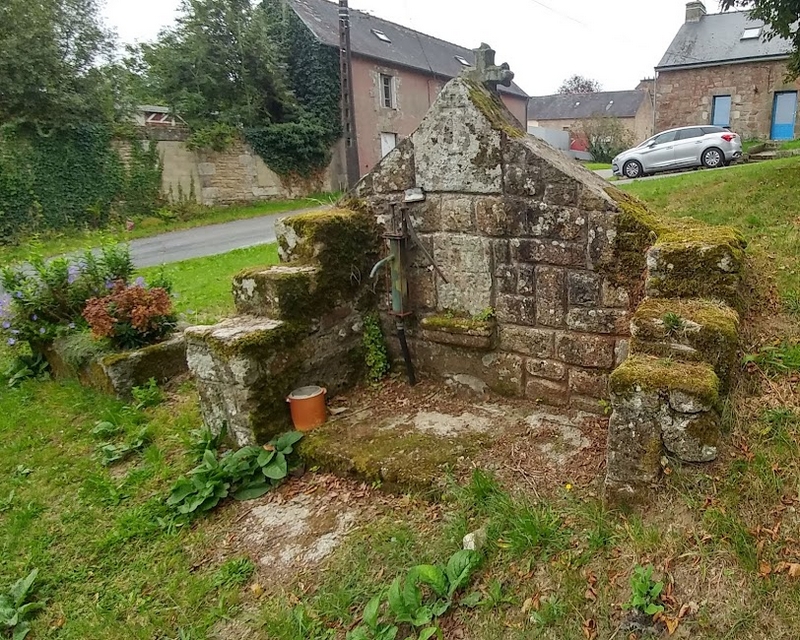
617	42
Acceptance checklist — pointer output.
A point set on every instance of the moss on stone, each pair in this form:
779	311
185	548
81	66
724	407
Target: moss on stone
638	217
458	324
713	318
704	428
259	343
401	459
664	375
492	107
344	245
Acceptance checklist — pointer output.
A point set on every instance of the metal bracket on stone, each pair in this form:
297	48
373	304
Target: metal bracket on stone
487	72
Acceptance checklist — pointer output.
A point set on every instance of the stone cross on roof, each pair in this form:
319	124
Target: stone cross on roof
487	72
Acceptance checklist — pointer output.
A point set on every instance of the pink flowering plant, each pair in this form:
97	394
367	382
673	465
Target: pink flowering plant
43	299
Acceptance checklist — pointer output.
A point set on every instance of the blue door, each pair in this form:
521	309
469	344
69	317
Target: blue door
784	113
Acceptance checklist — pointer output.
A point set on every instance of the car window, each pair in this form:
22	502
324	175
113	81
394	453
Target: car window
708	130
688	134
662	138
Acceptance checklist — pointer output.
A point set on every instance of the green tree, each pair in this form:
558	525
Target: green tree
605	136
53	63
782	16
219	64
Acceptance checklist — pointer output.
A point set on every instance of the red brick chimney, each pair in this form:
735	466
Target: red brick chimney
695	11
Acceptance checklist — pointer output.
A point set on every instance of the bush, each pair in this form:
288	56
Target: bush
291	148
131	316
46	299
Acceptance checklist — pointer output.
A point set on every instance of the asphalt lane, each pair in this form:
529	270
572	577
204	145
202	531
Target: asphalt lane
210	240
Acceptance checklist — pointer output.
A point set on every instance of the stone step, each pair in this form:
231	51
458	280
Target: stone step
688	329
762	156
283	292
657	404
697	262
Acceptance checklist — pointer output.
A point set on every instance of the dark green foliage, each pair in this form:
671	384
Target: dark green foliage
245	474
26	367
109	453
781	358
376	356
148	395
50	52
291	147
47	298
215	137
426	593
72	178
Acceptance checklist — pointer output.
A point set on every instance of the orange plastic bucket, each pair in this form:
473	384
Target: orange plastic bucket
307	405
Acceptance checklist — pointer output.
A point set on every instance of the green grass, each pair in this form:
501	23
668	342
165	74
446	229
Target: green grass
596	166
788	146
54	243
203	285
760	199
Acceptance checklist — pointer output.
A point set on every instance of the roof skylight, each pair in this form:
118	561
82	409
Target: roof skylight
380	35
463	61
751	33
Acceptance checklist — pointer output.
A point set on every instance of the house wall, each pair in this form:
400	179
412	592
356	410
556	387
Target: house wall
415	92
640	126
684	97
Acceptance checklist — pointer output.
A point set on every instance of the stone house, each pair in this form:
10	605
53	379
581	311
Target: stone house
565	112
721	70
397	74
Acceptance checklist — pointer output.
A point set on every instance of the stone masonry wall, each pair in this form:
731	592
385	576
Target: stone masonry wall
237	175
685	97
518	228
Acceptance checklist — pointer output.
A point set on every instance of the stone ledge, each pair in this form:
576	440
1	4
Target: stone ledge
689	330
284	292
460	332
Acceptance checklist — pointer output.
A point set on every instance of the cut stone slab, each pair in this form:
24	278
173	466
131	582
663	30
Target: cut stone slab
282	292
459	332
697	269
416	441
691	330
119	373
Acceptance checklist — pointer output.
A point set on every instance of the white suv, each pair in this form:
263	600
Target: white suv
703	146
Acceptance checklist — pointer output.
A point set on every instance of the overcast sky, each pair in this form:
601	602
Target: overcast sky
617	42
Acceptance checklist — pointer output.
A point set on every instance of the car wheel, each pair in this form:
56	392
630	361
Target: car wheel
713	158
633	169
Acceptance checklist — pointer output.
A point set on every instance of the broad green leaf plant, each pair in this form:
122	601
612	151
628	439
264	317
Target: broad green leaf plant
426	593
245	474
15	611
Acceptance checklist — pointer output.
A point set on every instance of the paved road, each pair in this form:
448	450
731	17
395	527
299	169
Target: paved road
207	241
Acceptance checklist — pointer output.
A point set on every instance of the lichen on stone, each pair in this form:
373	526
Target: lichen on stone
461	324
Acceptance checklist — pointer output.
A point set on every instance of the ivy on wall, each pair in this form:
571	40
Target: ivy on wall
302	145
72	177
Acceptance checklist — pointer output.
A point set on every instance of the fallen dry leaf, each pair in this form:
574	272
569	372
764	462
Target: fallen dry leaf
764	569
590	629
590	594
672	624
257	589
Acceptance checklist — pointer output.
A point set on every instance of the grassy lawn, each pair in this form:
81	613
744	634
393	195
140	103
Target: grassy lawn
203	285
596	166
760	199
722	537
53	243
792	144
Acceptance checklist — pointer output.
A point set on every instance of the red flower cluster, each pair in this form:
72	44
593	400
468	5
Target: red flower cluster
131	316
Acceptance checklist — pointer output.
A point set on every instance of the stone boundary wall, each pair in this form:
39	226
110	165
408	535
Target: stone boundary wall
235	176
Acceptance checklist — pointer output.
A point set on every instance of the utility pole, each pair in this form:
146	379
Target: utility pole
348	111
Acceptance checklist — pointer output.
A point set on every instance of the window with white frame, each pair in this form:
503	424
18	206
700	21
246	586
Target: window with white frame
387	91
